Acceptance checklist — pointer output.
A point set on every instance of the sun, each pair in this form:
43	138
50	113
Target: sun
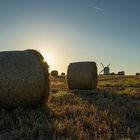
47	58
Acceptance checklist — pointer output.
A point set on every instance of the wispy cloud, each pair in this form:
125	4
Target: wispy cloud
98	8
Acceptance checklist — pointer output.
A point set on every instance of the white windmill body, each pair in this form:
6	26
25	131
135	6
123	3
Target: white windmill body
106	70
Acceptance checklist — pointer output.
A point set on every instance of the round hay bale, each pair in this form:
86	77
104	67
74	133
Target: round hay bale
24	79
54	73
82	75
62	74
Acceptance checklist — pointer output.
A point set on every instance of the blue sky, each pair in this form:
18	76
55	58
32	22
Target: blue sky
66	31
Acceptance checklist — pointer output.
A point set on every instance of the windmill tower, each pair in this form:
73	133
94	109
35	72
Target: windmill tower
106	70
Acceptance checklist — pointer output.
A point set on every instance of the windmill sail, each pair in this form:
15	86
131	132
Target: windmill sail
101	71
106	70
102	64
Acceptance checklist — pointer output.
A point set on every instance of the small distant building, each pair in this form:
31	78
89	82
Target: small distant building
121	73
112	73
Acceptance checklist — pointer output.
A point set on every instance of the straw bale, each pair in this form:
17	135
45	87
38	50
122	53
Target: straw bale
82	75
24	79
54	73
62	74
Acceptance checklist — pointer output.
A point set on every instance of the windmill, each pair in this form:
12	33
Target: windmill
106	70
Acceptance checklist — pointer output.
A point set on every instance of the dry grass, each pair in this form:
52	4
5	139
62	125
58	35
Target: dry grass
110	113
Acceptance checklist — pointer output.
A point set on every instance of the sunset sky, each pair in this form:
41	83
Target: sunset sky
65	31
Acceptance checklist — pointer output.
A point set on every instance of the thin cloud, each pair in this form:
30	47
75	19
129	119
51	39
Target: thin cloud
98	8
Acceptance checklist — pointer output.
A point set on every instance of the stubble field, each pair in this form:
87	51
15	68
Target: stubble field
112	112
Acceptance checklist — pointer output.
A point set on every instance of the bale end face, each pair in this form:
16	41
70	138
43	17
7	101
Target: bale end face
82	75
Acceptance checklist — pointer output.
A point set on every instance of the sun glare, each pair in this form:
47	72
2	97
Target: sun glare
47	58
